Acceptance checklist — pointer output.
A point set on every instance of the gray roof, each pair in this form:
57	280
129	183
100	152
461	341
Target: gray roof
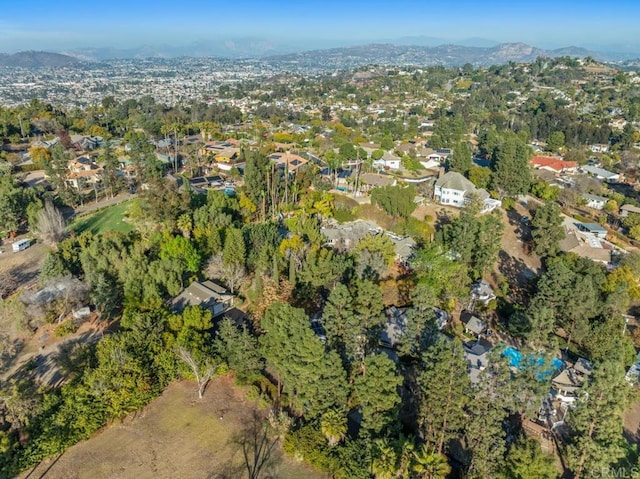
377	180
594	197
389	156
455	181
475	325
205	294
592	227
594	170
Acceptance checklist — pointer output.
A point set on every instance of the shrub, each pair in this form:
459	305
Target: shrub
65	328
508	203
309	444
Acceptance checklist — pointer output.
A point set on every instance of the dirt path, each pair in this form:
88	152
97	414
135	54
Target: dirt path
176	436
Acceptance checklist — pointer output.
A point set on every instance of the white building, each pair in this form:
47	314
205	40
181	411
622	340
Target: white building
453	189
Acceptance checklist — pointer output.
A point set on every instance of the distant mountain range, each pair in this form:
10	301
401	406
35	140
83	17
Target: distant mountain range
342	57
37	59
446	55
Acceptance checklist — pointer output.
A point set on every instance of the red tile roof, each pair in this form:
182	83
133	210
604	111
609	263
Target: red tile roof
556	164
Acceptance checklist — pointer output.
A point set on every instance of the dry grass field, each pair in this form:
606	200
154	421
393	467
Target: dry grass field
176	436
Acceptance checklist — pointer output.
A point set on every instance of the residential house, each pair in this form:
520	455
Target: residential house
347	236
128	170
567	383
453	189
625	210
396	325
599	148
291	162
554	164
373	180
601	174
86	143
207	295
473	324
223	154
586	246
593	229
83	172
477	355
388	161
483	292
594	201
633	374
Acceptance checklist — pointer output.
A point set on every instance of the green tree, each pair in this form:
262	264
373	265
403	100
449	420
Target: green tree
375	391
239	349
430	465
510	164
475	238
547	230
484	436
109	161
395	200
14	201
444	393
333	425
443	277
460	160
555	141
597	421
525	460
255	180
341	323
312	377
234	251
480	176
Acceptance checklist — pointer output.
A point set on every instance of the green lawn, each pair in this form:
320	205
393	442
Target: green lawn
107	219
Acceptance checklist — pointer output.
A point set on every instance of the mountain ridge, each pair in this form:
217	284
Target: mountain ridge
34	59
337	57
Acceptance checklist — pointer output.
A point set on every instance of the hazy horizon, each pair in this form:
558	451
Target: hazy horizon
71	25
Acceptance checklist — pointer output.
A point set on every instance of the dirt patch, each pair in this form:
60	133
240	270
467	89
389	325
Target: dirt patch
632	423
516	263
175	436
23	266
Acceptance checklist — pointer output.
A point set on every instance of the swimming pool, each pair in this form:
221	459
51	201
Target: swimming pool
544	369
229	191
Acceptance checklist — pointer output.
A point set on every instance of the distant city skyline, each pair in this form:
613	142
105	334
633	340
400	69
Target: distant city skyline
297	25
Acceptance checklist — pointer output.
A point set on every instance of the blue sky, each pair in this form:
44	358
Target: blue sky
65	24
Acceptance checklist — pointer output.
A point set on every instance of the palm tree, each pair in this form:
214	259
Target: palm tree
333	425
185	225
406	448
384	462
430	465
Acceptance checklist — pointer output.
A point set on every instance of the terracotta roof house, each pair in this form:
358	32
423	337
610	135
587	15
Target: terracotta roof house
83	172
556	165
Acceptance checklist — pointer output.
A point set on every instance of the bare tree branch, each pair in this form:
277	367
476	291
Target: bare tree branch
50	225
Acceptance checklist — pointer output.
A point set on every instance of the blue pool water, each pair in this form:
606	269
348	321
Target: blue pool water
341	188
229	191
544	370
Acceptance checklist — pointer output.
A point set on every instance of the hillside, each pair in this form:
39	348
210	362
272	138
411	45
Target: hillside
32	59
446	55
